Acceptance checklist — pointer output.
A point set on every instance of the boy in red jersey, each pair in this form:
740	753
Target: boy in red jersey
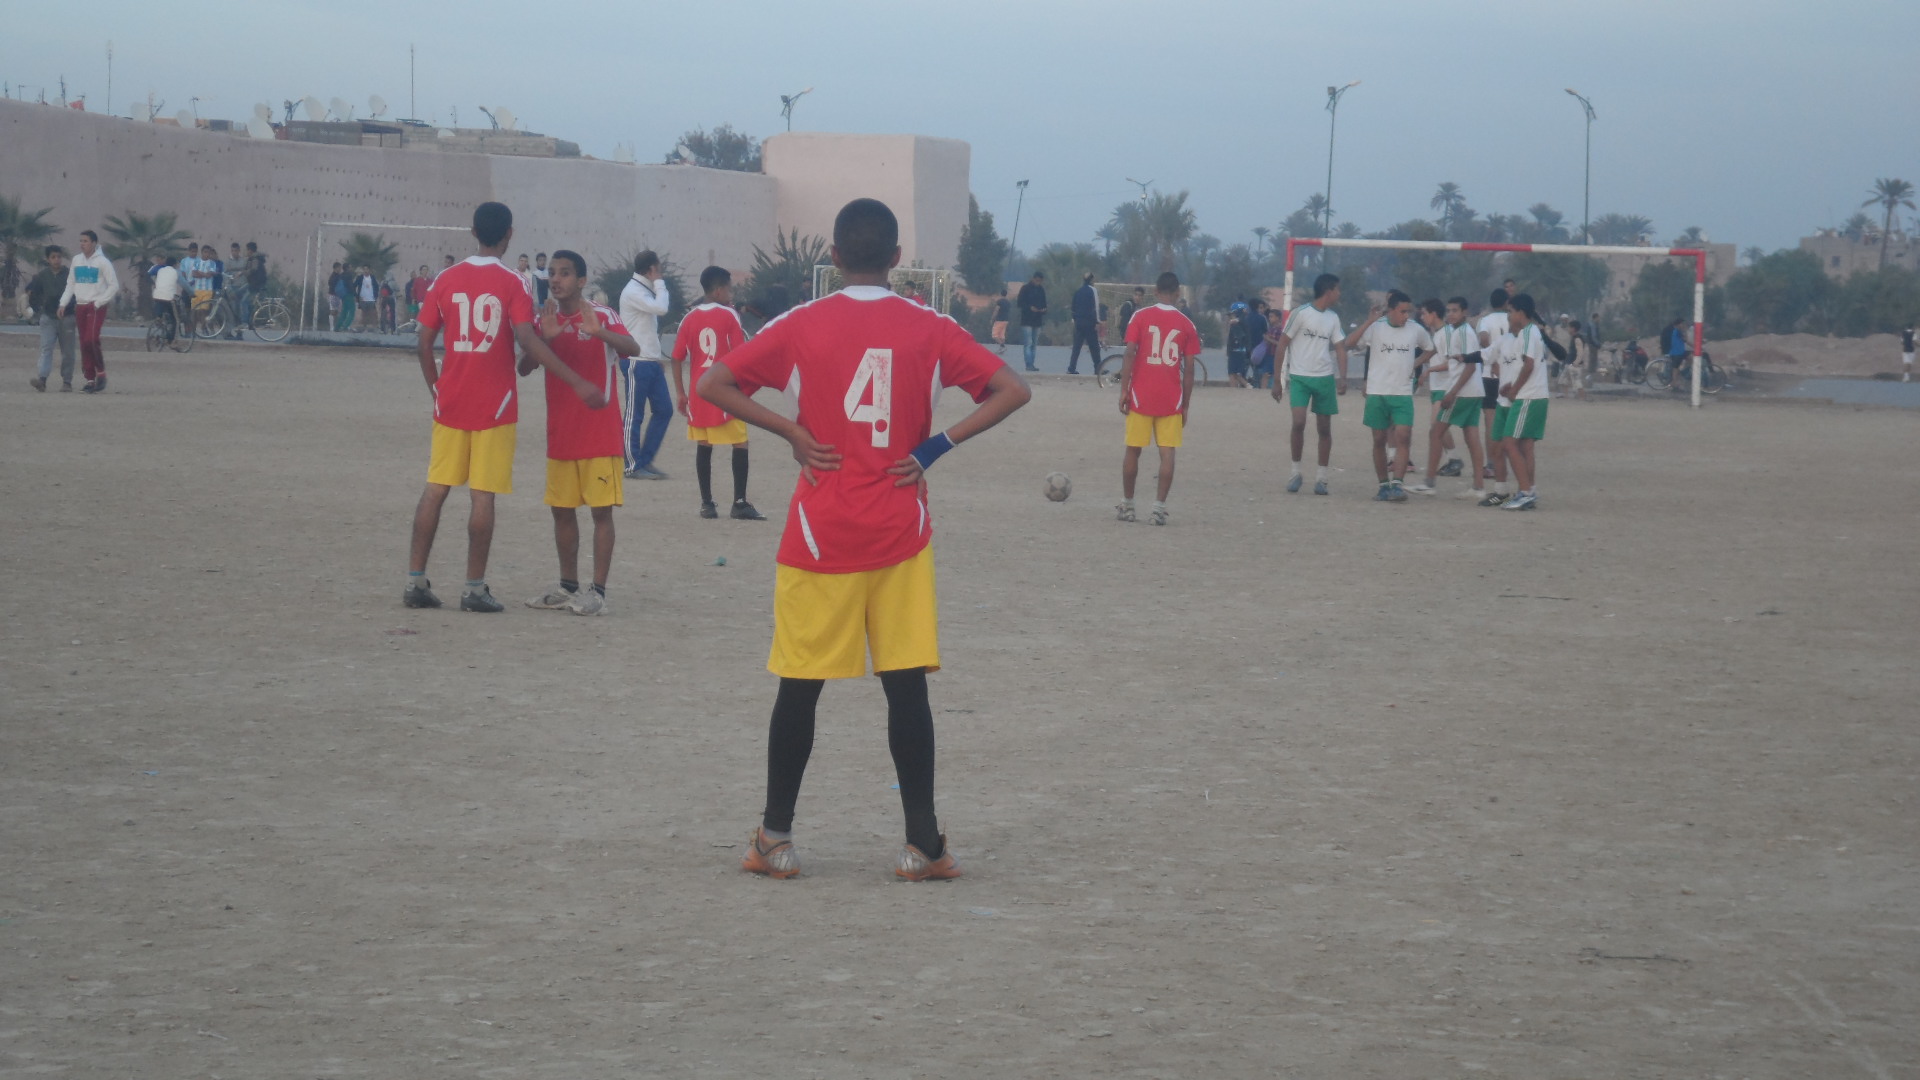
486	310
585	454
855	573
709	332
1156	388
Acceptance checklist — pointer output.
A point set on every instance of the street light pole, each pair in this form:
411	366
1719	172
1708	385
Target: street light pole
1586	202
1015	238
1334	94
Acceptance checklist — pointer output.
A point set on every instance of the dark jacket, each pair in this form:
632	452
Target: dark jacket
1086	305
1032	302
1126	314
43	292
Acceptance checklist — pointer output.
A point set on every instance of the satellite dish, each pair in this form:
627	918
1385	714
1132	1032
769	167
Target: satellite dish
622	154
259	128
507	120
683	153
376	106
341	110
316	112
184	118
446	133
264	112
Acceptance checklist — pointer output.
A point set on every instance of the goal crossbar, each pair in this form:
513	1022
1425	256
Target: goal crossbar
1698	256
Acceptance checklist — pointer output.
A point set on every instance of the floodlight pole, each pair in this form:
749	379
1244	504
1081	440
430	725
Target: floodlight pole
1014	240
1586	202
1334	94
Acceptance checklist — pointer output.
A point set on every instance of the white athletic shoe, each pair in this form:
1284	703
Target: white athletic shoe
1423	489
554	599
588	602
1476	494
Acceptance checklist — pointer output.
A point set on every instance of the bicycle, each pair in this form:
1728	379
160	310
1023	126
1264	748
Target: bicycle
1667	375
164	330
272	319
1108	371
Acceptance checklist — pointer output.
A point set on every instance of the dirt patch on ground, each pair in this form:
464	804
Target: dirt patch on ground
1806	354
1296	786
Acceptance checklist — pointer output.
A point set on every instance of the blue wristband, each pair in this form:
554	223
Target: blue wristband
929	452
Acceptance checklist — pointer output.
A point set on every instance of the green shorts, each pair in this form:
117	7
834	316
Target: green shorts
1314	392
1465	413
1435	395
1524	419
1388	410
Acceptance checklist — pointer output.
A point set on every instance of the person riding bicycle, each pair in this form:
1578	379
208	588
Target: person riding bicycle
1673	342
1634	361
166	296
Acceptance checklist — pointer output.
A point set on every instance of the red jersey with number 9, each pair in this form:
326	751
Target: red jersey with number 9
708	333
479	302
1165	338
866	368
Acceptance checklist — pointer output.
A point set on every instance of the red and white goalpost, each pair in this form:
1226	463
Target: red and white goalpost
1699	269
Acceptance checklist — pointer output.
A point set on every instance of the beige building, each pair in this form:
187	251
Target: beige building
225	187
1624	270
1842	256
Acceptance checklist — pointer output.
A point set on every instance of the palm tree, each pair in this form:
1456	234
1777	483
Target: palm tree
1449	200
370	251
1547	220
1754	254
1891	194
18	229
1260	240
1621	230
1692	237
1107	234
1859	228
1316	206
1170	223
138	238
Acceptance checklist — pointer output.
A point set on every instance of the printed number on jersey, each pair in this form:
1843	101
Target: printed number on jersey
1165	352
874	376
481	317
709	347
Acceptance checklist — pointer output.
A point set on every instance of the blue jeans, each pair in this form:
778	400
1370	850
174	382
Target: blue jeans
56	330
646	384
242	299
1029	337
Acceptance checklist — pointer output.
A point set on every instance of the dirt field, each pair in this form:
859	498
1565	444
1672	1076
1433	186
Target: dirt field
1306	787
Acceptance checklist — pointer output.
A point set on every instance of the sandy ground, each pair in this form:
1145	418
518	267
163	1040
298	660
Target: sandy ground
1298	786
1808	354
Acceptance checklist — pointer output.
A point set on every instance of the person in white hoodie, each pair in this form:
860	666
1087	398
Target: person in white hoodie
642	302
91	286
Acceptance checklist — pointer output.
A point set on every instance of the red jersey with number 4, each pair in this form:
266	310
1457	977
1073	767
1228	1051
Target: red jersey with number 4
575	432
1165	338
866	368
708	333
479	302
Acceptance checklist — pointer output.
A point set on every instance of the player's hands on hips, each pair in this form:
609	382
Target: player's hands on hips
814	457
909	472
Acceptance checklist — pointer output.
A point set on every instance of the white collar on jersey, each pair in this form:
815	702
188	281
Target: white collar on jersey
1166	307
868	292
485	260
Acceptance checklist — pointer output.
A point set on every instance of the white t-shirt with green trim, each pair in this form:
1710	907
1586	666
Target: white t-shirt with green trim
1312	333
1390	355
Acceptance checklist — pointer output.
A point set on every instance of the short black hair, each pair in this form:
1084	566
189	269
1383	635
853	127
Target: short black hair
579	264
866	232
542	255
1324	284
1498	299
54	249
1140	289
1523	303
645	261
1435	306
1462	301
1168	283
251	246
1395	298
89	234
1089	277
492	222
1038	276
713	277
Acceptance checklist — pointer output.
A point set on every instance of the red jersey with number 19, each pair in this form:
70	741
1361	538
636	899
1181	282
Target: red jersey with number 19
708	333
866	368
1165	338
479	302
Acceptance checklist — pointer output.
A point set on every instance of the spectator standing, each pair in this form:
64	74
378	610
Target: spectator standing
1133	304
388	324
256	281
525	270
56	321
236	288
1239	345
417	292
1906	354
333	296
642	302
540	278
91	286
1032	303
1262	353
1086	323
1002	309
366	291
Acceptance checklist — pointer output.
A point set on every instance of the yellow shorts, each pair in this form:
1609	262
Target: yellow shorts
1162	430
731	433
481	460
591	482
825	624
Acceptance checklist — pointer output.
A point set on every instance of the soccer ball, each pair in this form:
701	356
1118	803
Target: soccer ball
1058	486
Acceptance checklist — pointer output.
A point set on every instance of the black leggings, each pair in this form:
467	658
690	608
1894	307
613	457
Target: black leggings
909	736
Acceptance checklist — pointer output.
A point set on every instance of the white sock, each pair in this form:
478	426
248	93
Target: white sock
1126	503
1159	506
416	577
1321	474
1296	470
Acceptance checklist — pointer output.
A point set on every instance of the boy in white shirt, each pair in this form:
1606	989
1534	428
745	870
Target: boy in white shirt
1395	347
1456	390
1524	384
1308	348
1494	339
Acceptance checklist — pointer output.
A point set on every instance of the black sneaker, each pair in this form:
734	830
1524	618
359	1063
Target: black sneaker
481	601
744	511
91	386
1451	468
420	596
709	511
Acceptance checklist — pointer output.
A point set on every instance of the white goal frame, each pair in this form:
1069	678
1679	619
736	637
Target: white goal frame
1698	256
936	284
311	298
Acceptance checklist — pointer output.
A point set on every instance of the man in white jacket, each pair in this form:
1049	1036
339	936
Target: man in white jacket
642	302
91	286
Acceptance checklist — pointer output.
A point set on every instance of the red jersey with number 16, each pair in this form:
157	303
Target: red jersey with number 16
708	333
866	368
479	302
1165	339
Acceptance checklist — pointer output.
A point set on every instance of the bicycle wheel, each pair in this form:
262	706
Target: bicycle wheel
156	336
1660	375
1108	372
1711	380
1200	372
209	318
271	320
183	341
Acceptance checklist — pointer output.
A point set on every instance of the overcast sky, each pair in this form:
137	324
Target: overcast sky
1756	120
